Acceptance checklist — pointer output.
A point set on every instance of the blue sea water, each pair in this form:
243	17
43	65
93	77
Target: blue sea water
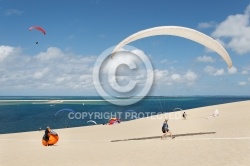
30	113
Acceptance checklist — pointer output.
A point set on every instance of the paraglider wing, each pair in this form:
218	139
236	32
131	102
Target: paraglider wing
91	121
38	28
113	121
184	32
65	109
177	109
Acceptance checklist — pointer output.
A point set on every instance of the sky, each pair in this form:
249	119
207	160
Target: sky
78	32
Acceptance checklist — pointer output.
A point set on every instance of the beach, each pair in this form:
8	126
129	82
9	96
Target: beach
220	140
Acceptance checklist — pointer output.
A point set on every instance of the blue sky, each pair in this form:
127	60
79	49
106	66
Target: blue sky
79	31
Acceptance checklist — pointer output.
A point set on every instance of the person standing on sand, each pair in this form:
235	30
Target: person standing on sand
184	115
165	130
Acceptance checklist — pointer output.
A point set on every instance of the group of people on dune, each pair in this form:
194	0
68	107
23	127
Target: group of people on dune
165	128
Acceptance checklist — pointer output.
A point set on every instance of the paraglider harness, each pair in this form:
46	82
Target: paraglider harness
164	127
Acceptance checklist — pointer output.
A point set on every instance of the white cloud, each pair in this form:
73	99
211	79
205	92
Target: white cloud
244	72
162	77
213	71
191	76
232	70
102	36
41	74
71	36
165	77
6	51
13	12
242	83
94	1
205	59
236	28
160	73
205	25
176	77
209	70
246	67
51	53
219	72
165	61
52	69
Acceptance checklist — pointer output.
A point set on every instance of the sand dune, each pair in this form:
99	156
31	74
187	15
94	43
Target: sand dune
221	140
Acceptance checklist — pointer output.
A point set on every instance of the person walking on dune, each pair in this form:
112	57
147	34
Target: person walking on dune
166	130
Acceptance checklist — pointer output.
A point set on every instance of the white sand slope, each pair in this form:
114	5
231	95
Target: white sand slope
221	140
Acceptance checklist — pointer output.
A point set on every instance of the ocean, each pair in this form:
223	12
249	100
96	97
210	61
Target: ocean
33	113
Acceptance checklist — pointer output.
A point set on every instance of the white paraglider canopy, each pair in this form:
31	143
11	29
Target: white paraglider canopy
92	121
216	113
184	32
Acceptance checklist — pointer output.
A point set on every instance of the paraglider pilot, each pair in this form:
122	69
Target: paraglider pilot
46	135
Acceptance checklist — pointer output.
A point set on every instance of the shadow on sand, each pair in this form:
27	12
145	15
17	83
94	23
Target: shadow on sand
158	137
